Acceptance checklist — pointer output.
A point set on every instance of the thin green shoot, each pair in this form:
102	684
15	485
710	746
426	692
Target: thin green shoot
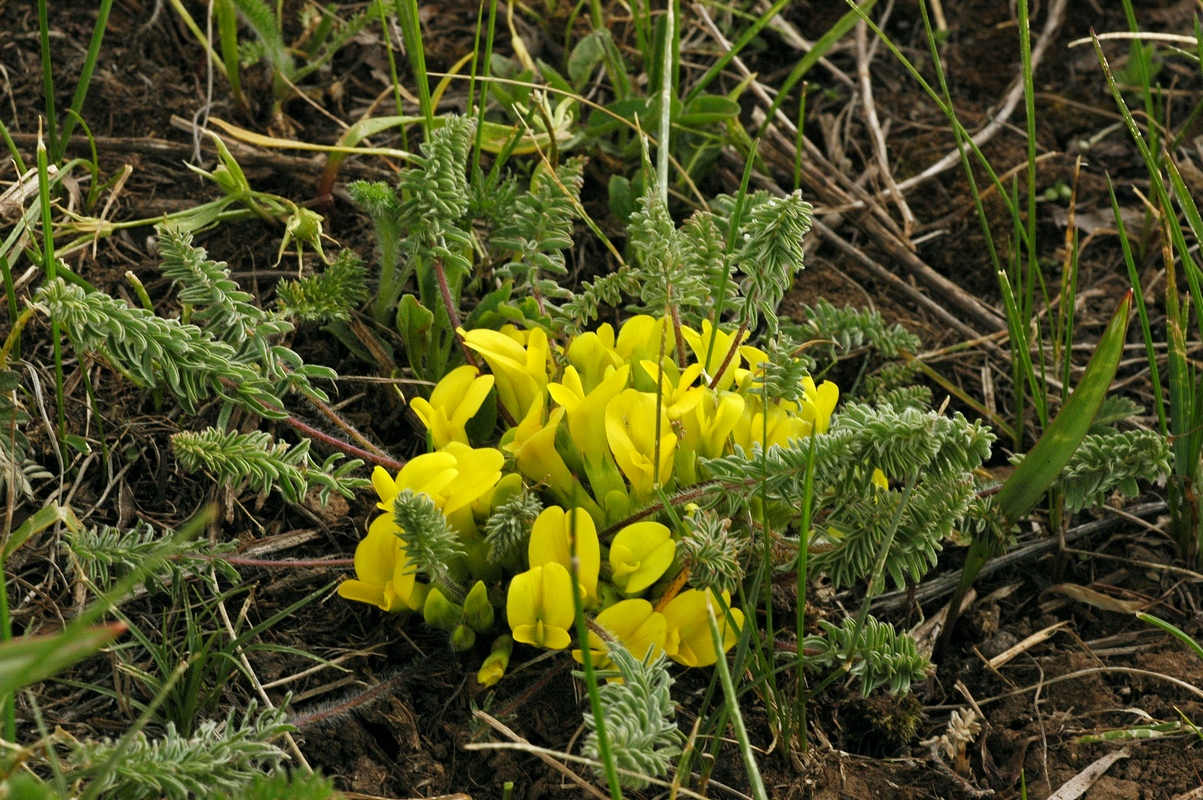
47	74
411	34
481	69
737	47
50	264
85	80
804	526
1027	288
820	49
227	36
10	290
798	140
1143	72
12	148
1141	310
1173	630
755	781
1069	290
595	707
199	35
392	59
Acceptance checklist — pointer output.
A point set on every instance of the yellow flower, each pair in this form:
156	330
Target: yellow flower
539	606
723	342
677	390
521	372
640	554
587	427
780	428
383	575
712	421
551	542
476	473
880	480
533	444
819	403
496	662
641	337
631	432
635	624
428	473
688	640
454	401
593	355
751	378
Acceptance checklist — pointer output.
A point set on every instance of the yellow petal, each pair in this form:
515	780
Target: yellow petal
551	542
640	554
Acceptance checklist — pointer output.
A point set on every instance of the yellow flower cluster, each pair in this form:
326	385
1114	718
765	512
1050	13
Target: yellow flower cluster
602	425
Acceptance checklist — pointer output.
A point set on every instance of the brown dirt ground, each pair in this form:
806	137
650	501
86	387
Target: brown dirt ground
405	737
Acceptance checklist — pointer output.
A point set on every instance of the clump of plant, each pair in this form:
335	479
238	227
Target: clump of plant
648	471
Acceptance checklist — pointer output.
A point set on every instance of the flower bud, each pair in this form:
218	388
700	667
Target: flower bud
439	612
478	611
462	638
496	663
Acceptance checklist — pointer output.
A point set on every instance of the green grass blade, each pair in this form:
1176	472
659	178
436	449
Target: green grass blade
47	75
85	79
227	36
1041	466
27	660
1141	310
411	33
50	264
755	781
747	36
1033	265
825	42
595	707
1174	630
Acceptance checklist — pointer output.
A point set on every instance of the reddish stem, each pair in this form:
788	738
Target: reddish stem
340	445
739	337
452	314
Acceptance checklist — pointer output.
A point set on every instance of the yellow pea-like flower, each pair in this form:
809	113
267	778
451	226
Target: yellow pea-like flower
551	542
520	370
639	555
496	662
679	395
819	403
776	426
454	401
634	623
688	640
723	342
539	607
383	576
631	427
